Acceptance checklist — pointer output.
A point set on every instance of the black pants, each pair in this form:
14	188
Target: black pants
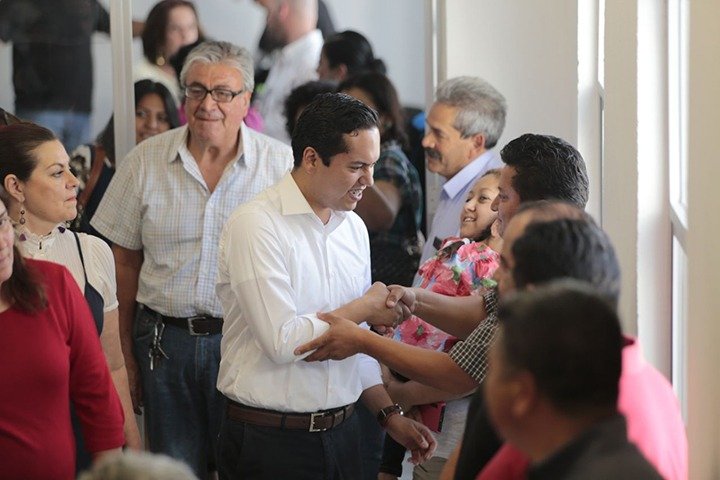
265	453
480	441
393	456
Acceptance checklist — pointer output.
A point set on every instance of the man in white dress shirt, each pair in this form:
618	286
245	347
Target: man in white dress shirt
462	128
292	24
164	211
295	250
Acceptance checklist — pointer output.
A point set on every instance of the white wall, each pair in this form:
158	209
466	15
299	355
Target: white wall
527	50
397	35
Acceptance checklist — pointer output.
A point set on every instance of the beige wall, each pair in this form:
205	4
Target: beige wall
703	328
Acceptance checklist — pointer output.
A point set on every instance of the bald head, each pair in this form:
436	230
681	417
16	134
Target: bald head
289	20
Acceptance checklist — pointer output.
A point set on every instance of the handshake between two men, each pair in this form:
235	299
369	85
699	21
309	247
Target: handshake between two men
381	307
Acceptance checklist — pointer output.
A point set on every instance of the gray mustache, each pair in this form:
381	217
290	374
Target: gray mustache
432	153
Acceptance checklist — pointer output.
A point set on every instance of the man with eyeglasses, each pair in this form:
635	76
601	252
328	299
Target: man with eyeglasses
164	211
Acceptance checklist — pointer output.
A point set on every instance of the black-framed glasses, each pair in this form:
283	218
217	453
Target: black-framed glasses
220	95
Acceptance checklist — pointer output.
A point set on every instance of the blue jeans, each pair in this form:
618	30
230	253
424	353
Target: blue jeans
182	406
72	128
251	452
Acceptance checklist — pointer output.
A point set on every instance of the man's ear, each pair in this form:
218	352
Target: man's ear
478	145
525	394
14	187
342	71
310	160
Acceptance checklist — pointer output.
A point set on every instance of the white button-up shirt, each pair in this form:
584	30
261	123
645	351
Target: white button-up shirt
158	202
279	266
296	64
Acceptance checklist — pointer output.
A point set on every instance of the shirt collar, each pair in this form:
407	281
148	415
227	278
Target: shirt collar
180	148
293	202
460	180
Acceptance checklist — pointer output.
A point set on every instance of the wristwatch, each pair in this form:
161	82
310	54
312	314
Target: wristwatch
385	413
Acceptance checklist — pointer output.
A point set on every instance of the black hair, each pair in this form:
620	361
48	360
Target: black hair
300	97
353	50
384	95
569	339
547	167
572	248
142	88
325	120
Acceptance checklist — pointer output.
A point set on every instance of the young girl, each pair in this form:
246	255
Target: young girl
462	266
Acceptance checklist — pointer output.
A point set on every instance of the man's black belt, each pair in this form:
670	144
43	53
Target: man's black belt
197	326
310	422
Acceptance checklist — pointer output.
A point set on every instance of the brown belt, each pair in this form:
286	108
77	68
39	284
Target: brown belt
311	422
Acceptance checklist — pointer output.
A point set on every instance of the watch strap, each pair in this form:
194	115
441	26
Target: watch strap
385	413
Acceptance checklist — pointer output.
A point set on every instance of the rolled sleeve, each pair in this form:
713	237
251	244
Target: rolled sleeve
471	354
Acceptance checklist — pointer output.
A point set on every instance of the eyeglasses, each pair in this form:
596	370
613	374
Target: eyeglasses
220	95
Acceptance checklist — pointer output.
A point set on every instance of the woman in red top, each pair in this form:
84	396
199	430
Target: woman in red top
49	354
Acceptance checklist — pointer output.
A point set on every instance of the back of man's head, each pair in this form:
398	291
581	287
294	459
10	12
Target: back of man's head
547	167
573	248
480	107
325	120
568	338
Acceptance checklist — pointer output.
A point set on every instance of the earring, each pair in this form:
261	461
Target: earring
160	60
22	217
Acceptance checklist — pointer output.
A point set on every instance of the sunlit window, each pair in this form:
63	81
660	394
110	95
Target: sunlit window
678	174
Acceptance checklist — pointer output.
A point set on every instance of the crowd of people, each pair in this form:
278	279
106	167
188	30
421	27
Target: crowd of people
254	280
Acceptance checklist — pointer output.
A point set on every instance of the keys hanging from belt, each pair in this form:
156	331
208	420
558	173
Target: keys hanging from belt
156	351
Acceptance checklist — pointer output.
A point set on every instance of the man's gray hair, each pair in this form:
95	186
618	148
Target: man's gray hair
222	52
138	466
481	108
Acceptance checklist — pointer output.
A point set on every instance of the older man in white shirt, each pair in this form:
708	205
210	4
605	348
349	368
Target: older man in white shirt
291	23
295	250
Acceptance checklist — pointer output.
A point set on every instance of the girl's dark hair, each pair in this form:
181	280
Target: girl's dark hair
353	50
142	88
153	35
17	142
385	97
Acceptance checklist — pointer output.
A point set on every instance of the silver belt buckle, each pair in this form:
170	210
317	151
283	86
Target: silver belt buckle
191	326
313	416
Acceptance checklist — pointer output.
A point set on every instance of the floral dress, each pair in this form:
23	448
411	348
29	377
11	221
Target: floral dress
459	269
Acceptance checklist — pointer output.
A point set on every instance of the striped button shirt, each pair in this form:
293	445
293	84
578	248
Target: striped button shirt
158	202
